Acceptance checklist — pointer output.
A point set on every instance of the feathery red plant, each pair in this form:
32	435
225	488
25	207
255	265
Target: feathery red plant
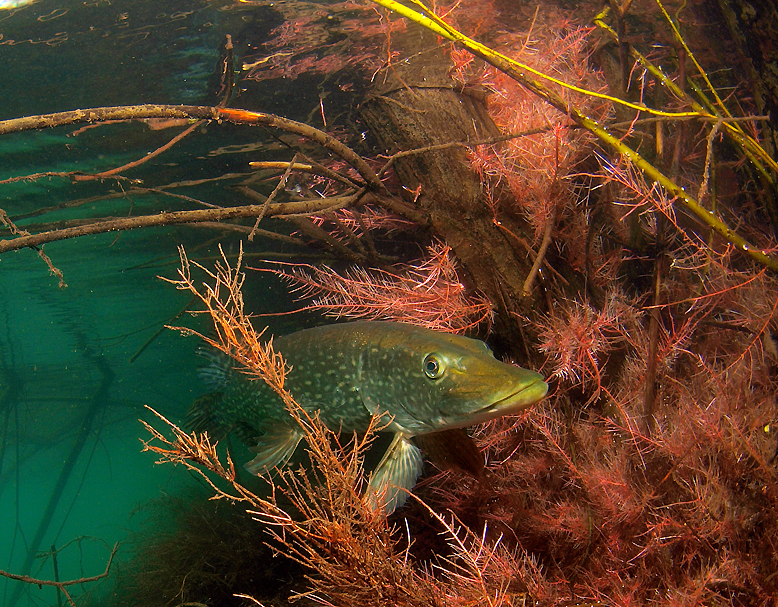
579	338
428	294
532	172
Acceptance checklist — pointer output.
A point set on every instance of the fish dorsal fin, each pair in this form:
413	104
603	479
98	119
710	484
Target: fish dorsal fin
452	449
395	475
273	449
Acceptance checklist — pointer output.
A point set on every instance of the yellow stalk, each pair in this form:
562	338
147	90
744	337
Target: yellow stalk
519	72
691	56
750	146
432	22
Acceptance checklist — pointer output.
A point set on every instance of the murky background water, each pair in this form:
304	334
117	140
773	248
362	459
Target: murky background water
73	378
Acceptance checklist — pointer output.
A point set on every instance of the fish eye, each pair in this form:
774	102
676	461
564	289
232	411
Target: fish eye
432	367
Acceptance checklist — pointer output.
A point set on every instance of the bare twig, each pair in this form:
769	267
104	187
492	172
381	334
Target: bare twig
300	207
54	270
139	112
62	586
279	186
140	161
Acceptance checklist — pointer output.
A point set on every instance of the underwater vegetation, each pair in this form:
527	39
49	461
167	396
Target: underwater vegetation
321	517
593	191
191	549
415	381
564	501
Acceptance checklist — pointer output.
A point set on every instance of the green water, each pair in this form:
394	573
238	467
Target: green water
59	348
73	378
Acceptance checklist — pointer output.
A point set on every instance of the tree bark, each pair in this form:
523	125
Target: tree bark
416	106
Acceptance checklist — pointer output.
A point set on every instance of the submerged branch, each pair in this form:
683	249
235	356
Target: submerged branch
139	112
281	209
62	586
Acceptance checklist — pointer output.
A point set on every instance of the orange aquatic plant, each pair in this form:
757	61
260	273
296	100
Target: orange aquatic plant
355	554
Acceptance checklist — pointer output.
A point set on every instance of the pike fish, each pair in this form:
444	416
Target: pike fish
419	381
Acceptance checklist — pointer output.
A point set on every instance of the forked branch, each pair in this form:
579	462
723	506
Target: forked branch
63	586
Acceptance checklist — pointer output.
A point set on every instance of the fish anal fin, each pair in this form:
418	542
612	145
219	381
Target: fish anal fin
452	449
216	373
273	449
203	416
395	475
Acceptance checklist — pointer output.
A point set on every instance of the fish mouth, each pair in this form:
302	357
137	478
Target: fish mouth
519	399
513	402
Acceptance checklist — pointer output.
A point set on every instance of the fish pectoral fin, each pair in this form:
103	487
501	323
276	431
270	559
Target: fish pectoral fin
273	449
395	476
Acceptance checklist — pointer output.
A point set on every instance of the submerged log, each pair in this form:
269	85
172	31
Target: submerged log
418	105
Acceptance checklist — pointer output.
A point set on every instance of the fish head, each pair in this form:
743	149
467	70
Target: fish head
429	381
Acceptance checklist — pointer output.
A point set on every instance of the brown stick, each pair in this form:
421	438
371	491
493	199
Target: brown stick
61	585
649	388
139	112
300	207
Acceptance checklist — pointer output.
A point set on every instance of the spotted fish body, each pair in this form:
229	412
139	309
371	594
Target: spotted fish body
422	381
